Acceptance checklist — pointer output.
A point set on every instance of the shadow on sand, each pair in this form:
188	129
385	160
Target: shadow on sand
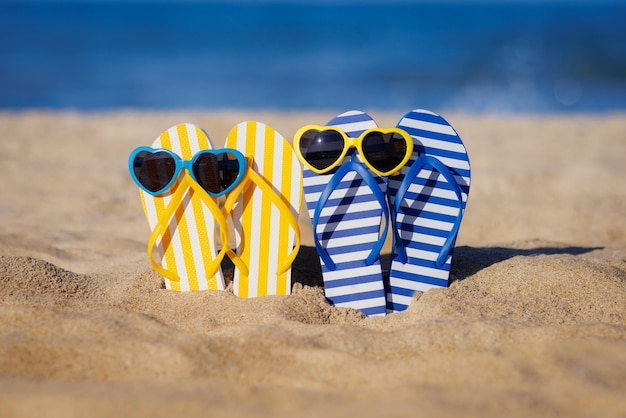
466	262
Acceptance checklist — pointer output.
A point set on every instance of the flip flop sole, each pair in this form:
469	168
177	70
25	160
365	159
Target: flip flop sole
429	208
263	234
348	228
188	245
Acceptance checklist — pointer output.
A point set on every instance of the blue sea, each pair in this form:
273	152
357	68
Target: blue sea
475	56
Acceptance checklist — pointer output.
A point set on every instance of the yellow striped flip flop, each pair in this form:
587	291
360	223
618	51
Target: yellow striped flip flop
265	214
182	219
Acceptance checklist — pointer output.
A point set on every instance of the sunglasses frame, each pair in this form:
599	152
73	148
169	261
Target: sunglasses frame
357	143
188	165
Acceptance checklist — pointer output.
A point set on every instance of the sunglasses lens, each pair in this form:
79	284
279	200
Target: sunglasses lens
216	172
154	170
321	148
384	151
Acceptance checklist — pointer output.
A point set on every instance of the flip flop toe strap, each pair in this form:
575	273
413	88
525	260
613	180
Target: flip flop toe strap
357	167
253	178
164	222
421	162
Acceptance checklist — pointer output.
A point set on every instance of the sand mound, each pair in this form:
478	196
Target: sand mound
537	288
65	326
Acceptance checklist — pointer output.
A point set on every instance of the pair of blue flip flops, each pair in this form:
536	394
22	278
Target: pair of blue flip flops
423	204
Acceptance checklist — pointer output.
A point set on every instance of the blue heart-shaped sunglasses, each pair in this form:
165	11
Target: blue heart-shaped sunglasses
216	171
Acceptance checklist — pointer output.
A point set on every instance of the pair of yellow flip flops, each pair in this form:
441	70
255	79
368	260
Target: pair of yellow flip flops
261	179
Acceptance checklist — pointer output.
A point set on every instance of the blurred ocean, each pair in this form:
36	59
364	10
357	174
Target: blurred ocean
469	56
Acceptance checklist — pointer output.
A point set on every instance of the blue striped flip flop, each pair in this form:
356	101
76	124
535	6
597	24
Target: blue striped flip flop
346	207
427	201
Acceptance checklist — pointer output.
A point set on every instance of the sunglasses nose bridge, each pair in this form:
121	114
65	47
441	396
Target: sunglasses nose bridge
186	165
353	145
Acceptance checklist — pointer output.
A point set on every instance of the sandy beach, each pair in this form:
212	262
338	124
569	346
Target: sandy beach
533	325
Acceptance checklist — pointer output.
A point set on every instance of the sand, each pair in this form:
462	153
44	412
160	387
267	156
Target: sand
534	323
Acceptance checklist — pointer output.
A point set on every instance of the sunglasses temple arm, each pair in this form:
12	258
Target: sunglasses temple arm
163	224
445	172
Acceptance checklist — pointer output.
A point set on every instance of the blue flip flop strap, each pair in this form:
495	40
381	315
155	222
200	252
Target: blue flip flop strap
352	165
404	187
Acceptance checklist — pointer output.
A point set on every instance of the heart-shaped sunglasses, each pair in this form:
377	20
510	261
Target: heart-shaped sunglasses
216	171
322	148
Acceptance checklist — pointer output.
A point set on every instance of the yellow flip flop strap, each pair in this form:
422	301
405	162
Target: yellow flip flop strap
251	177
163	223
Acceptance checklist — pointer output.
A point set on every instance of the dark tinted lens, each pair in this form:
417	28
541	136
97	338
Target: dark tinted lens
384	152
321	149
154	170
216	172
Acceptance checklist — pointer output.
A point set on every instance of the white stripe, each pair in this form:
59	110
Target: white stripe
194	242
211	230
296	204
427	126
424	255
277	180
345	225
329	209
421	238
430	143
351	113
424	222
237	228
366	206
272	242
355	126
150	209
351	240
350	256
274	227
440	192
400	299
360	304
251	241
341	192
416	286
424	271
352	289
254	240
321	179
238	212
404	283
178	251
431	207
449	162
194	146
355	272
175	141
437	192
454	163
